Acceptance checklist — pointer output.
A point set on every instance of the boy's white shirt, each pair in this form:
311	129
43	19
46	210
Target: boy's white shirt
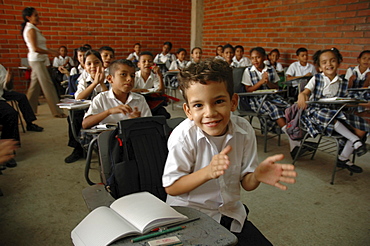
133	54
330	87
151	84
246	79
60	60
243	62
360	75
296	69
190	150
77	70
174	65
106	100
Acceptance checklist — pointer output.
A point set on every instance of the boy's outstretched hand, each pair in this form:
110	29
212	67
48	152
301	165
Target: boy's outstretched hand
272	173
219	163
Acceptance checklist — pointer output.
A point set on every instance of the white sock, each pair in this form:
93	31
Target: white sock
292	143
346	152
343	130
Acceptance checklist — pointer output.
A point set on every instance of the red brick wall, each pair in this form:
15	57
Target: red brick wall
288	25
115	23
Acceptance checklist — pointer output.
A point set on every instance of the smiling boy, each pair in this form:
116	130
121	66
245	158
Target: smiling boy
119	102
301	67
213	153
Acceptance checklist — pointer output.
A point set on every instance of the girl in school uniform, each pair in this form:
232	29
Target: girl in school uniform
316	117
262	77
165	57
273	58
196	55
180	62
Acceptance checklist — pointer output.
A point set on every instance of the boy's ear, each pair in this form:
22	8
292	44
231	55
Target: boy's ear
110	78
234	102
186	108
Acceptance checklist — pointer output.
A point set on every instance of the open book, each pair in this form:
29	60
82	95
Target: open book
133	214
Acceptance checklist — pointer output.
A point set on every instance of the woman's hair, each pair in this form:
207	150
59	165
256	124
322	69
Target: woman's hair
362	53
259	50
93	52
217	49
196	48
335	51
27	12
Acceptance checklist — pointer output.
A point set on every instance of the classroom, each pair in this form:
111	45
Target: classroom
42	199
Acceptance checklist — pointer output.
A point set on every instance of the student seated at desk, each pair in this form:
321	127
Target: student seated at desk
219	51
165	57
272	60
228	54
134	56
119	102
63	60
88	87
316	117
301	67
180	62
239	60
262	77
196	55
213	153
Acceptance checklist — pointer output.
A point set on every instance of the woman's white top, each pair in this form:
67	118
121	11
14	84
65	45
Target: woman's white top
40	42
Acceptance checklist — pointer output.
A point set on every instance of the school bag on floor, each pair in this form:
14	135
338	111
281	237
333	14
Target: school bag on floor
292	117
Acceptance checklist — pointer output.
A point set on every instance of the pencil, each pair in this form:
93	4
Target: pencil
157	234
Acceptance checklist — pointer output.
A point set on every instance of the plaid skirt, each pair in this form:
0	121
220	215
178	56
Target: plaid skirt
315	119
274	106
363	95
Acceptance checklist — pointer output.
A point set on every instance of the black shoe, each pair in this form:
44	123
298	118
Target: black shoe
75	156
34	128
293	153
353	168
2	167
11	163
360	150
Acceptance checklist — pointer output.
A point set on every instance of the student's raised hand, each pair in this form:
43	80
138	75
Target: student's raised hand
272	173
135	113
219	163
157	70
99	76
120	109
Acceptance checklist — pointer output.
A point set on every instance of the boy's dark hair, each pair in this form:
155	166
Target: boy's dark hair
192	50
148	53
82	49
114	65
258	49
75	54
335	51
87	46
302	49
27	12
168	43
63	47
275	50
107	48
93	52
239	47
180	50
137	44
228	46
215	70
217	49
362	53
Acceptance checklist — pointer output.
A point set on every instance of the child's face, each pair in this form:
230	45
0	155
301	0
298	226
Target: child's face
274	57
137	49
181	55
63	52
107	57
239	53
210	106
92	65
303	58
219	50
364	61
257	60
329	64
80	57
145	63
228	54
196	55
165	49
123	79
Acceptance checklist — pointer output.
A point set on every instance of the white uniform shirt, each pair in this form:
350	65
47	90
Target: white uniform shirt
3	73
151	84
133	54
330	87
246	79
279	67
165	59
360	75
107	100
83	83
191	150
175	65
296	69
78	70
40	42
60	60
243	62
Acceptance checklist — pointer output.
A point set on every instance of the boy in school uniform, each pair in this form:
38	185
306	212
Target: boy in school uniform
301	67
63	60
239	60
165	57
119	102
134	56
212	153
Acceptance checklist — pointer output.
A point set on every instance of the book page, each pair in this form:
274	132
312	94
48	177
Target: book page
145	211
101	227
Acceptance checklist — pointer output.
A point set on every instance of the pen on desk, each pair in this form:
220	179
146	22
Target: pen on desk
137	239
176	223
